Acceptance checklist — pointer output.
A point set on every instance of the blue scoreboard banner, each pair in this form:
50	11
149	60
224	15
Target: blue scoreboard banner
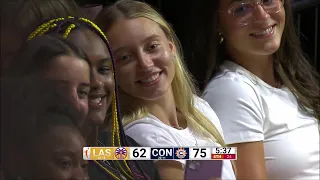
169	153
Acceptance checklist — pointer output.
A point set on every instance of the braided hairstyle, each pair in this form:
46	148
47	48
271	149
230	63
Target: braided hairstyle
64	26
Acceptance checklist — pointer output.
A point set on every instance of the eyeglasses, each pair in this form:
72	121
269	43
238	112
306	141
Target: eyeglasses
243	11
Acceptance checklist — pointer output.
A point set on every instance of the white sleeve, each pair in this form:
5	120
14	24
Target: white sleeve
238	109
149	135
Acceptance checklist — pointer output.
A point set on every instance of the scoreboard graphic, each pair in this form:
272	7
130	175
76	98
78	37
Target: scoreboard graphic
163	153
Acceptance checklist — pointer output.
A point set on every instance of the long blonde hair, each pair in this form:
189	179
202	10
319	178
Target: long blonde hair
182	85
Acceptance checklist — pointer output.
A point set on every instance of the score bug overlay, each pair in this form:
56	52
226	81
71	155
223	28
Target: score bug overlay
159	153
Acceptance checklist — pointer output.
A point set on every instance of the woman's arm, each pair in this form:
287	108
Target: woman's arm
250	163
241	113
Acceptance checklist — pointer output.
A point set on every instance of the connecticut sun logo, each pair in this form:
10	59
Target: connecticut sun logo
181	153
121	153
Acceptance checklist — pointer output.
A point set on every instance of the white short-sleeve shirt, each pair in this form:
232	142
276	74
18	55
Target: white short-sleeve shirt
151	132
251	110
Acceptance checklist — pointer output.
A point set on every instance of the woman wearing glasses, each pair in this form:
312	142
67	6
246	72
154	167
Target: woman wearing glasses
264	91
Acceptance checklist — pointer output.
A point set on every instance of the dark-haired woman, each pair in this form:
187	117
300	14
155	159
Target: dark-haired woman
54	58
264	91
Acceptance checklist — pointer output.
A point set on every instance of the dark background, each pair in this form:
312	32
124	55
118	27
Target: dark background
179	14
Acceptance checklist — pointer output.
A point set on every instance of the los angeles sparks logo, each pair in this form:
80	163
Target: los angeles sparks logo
121	153
86	153
181	153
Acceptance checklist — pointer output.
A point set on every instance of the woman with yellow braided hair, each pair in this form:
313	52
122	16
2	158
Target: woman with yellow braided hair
86	35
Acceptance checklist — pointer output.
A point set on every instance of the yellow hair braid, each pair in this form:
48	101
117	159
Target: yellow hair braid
43	26
47	29
68	30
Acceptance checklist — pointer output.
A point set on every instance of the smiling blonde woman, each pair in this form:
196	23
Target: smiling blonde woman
157	95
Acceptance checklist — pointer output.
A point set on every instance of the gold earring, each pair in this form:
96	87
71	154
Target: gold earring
221	37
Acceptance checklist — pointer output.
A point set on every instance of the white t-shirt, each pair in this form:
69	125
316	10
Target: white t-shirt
251	110
151	132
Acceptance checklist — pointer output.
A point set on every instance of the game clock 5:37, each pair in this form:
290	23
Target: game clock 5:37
224	150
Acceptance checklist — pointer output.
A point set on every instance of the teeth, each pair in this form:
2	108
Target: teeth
96	100
150	79
263	32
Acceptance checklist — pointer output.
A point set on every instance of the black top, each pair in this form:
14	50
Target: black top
142	170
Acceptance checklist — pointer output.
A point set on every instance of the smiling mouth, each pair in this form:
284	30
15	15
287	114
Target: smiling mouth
150	79
265	32
96	100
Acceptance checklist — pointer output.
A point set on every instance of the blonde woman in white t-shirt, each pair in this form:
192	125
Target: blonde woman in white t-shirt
264	91
157	95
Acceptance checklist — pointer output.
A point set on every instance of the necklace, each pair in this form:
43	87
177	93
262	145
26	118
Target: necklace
179	115
194	138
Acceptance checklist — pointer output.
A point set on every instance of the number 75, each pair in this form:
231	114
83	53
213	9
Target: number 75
202	152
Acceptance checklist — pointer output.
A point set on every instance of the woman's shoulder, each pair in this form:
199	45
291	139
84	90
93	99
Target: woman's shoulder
231	96
204	107
230	86
131	142
235	89
230	75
